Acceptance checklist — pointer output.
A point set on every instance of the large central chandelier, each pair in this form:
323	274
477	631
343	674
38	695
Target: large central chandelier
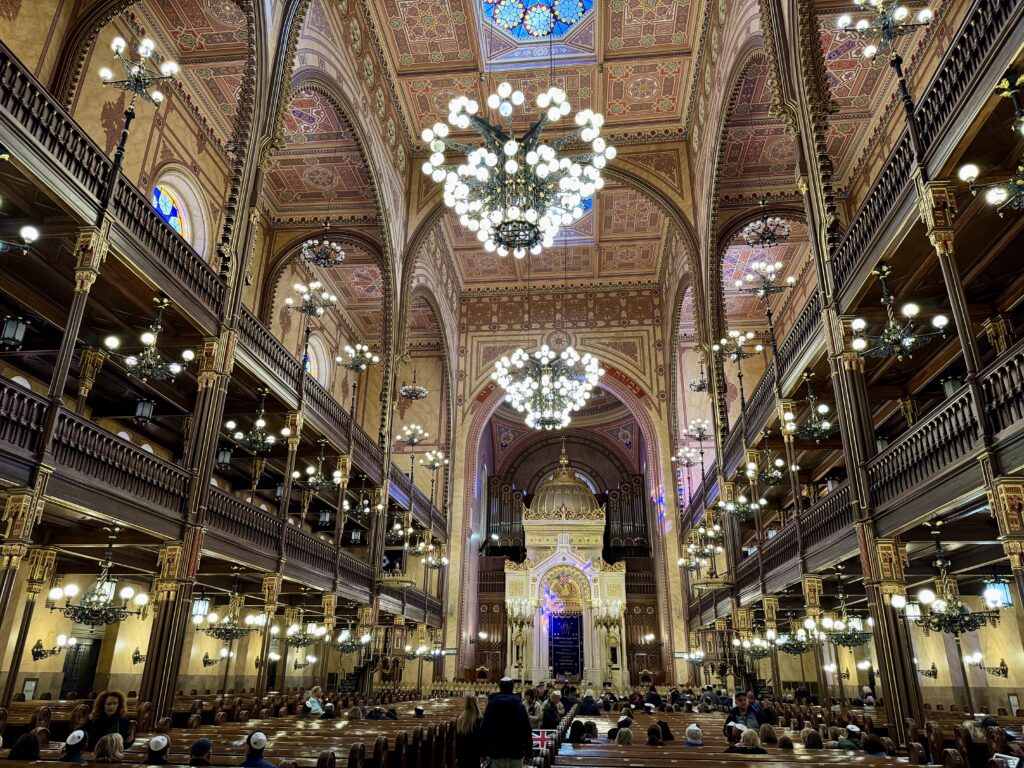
517	193
547	386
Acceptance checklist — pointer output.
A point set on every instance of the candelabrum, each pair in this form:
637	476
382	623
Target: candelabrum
897	338
608	614
310	659
818	426
932	671
323	252
734	348
138	657
271	658
63	641
224	653
976	660
150	363
28	235
314	300
1005	194
890	21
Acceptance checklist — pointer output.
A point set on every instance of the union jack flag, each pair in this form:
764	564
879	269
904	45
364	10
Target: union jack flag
541	740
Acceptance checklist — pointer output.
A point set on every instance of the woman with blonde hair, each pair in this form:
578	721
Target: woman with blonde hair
109	749
749	744
468	742
624	737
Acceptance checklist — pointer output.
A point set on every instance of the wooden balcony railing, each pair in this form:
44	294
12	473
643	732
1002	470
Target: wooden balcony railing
106	461
828	517
748	572
355	570
256	339
803	332
22	417
1002	385
243	521
306	549
780	550
949	433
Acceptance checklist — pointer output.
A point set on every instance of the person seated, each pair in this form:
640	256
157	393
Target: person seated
74	745
813	741
254	746
624	722
329	713
418	713
873	746
391	714
749	744
654	736
676	697
577	732
314	702
694	736
768	735
785	742
200	752
25	748
590	729
752	701
553	711
653	697
666	732
109	715
848	740
649	708
569	699
354	714
624	737
157	749
612	733
588	705
636	698
742	714
109	749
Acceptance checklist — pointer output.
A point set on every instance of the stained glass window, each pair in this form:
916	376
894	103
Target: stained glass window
526	19
167	206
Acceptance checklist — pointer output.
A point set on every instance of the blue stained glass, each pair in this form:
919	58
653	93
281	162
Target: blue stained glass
165	205
537	19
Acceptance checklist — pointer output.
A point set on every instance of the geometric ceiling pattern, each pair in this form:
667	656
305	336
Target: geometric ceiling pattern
620	240
320	170
629	59
208	39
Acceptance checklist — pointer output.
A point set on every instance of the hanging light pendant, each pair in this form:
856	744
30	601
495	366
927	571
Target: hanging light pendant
765	231
547	386
323	252
517	193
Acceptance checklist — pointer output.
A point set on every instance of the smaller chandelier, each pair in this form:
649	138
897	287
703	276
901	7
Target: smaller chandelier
151	363
765	231
743	506
434	460
770	472
303	635
314	299
847	631
685	457
762	279
1009	193
699	429
413	391
700	384
359	357
323	252
230	626
891	21
435	557
756	648
412	435
96	607
315	481
139	77
257	439
547	386
348	642
731	347
794	645
28	235
817	427
896	339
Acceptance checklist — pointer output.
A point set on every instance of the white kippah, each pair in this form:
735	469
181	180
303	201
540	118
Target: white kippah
75	737
258	740
506	679
852	728
740	727
158	742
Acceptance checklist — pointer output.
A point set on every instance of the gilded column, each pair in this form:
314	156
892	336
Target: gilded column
91	362
293	421
41	562
271	593
22	510
812	588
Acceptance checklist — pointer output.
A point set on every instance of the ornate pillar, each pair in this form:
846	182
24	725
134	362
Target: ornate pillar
1006	500
41	561
178	564
770	604
91	362
293	421
812	588
271	592
22	510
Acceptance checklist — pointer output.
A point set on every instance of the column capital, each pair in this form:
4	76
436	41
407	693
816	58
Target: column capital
329	603
271	592
41	562
812	587
90	250
1014	551
770	603
890	561
11	556
936	205
1006	500
999	332
852	361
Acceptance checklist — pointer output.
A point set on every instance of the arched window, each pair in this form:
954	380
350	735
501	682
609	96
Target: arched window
315	362
166	204
22	381
124	436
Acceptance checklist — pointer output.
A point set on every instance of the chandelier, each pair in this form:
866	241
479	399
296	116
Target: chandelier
412	435
705	543
230	626
891	21
517	193
942	610
794	645
771	472
896	339
256	440
347	642
139	77
700	384
743	506
694	657
314	299
150	363
1008	193
359	358
756	647
435	558
413	391
547	386
762	278
300	635
315	481
847	631
817	427
96	607
28	235
323	252
765	231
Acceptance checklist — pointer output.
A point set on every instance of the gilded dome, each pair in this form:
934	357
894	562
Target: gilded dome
564	497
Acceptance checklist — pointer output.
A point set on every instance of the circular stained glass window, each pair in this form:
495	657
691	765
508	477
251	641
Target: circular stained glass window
170	211
537	19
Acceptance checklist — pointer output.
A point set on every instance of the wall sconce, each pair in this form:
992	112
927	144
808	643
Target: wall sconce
976	660
208	662
932	672
833	669
272	657
310	659
138	657
63	641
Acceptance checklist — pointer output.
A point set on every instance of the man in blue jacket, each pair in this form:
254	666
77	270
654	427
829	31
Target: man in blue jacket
506	728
